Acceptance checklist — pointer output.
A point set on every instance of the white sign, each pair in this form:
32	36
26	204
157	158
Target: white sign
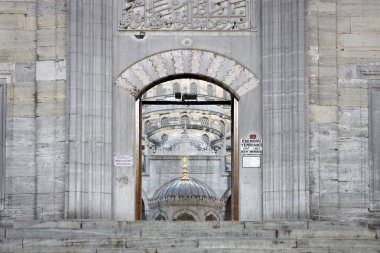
123	160
251	146
251	161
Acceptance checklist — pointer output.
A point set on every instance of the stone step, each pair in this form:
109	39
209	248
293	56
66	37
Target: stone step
201	233
160	243
274	224
107	243
221	243
56	233
189	250
337	225
100	236
32	233
106	224
327	234
232	250
359	244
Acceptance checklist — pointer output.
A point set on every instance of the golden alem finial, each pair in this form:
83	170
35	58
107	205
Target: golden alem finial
184	171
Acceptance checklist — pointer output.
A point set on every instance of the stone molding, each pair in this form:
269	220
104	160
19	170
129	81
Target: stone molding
371	73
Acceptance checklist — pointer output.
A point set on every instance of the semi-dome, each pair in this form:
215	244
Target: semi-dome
180	188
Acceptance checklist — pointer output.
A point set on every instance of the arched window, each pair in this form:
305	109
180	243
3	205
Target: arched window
210	217
222	127
147	126
185	120
164	122
225	94
227	214
193	88
204	121
164	138
185	217
159	90
143	210
206	139
160	217
210	91
176	88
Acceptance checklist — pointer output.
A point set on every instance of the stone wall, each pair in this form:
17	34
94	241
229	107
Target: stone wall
343	39
32	60
343	57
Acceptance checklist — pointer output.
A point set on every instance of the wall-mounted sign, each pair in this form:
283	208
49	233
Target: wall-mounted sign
251	161
251	146
123	160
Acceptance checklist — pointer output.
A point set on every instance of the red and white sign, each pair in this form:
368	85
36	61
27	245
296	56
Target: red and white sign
251	146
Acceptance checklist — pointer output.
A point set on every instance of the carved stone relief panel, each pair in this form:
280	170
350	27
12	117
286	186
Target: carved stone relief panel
186	15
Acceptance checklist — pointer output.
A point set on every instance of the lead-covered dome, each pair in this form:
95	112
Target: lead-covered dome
179	188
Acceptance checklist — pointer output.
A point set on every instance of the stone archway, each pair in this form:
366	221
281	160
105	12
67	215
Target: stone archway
237	78
148	72
101	116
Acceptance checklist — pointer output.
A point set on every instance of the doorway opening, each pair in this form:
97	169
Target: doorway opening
187	152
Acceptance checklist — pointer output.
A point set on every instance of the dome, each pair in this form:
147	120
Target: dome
179	188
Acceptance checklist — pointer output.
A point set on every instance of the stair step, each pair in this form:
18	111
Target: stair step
339	243
336	225
76	242
328	234
189	250
101	236
161	224
246	244
29	233
68	224
201	233
108	224
277	224
233	250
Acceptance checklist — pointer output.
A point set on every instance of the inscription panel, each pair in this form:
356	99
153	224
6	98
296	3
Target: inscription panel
186	15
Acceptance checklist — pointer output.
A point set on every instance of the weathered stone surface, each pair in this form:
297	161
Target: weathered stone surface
339	150
67	236
342	39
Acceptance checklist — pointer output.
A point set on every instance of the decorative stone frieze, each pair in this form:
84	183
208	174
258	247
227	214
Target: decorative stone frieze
185	15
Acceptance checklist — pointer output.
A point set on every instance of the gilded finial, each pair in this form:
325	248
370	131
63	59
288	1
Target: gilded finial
184	171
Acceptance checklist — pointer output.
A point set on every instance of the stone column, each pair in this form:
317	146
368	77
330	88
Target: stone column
284	109
89	186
